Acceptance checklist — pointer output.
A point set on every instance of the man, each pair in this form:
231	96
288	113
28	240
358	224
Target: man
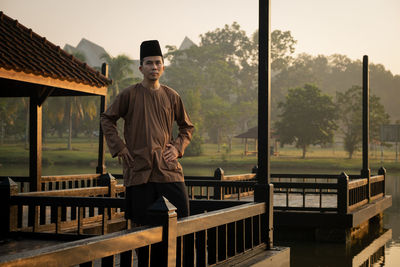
149	153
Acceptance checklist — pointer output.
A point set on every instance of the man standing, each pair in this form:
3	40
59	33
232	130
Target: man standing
149	153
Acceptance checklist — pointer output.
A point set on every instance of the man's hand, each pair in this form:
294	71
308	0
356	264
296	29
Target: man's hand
171	153
125	156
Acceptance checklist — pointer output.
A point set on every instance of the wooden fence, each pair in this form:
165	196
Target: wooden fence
201	240
56	182
351	191
63	210
60	210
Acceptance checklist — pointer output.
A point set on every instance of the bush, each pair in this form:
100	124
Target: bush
195	147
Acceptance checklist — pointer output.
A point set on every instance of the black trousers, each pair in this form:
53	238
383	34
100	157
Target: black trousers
140	197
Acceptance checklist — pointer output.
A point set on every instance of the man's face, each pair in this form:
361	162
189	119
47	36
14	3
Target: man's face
152	68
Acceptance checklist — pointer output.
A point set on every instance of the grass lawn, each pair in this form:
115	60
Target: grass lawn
84	153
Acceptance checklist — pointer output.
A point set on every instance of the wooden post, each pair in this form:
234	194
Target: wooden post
262	190
9	222
219	191
366	172
108	180
382	171
162	212
35	143
343	194
101	165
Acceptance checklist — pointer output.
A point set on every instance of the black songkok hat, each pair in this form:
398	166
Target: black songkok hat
150	48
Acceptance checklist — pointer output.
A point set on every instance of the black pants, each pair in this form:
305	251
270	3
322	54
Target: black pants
140	197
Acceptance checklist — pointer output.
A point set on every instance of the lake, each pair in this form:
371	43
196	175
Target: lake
385	251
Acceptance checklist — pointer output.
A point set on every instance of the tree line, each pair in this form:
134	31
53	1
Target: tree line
217	81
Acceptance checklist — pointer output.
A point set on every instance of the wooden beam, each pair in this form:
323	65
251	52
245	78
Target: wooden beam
46	92
48	81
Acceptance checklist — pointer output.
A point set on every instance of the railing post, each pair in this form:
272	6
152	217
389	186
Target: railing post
254	169
162	212
108	180
218	190
366	173
8	223
343	193
382	171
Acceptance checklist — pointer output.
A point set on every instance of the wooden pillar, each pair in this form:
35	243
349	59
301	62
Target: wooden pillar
219	191
366	172
263	191
382	171
264	98
8	222
162	212
35	143
101	164
343	194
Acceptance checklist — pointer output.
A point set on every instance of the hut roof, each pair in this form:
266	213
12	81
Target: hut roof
251	133
29	58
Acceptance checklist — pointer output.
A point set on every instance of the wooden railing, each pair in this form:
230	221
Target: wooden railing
200	240
350	191
56	182
34	211
63	211
199	188
68	181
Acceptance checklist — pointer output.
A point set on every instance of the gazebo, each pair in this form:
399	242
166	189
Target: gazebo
252	134
31	66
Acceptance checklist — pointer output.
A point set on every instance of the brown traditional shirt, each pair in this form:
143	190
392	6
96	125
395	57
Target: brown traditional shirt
149	116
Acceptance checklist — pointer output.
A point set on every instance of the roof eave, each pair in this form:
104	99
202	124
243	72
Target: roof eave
51	82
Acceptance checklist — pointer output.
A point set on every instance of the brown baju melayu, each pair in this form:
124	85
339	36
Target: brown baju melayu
149	116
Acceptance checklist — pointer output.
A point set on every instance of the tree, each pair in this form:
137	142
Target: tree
120	72
307	118
282	48
350	108
8	115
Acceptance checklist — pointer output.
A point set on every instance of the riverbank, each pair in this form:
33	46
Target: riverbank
289	159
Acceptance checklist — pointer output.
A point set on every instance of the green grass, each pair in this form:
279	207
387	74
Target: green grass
326	160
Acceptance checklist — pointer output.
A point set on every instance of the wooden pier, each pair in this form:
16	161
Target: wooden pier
225	216
320	207
234	218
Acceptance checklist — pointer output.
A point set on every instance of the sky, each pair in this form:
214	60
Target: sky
350	27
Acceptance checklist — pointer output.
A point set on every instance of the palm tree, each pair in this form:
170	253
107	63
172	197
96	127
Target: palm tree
120	72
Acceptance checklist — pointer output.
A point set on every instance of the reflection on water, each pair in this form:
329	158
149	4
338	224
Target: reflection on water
382	249
366	253
379	249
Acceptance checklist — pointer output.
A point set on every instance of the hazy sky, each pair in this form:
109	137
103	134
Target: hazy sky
350	27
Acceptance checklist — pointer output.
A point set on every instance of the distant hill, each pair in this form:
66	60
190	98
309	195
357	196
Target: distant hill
93	53
186	44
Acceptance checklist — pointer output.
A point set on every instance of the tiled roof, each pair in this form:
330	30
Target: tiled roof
23	50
